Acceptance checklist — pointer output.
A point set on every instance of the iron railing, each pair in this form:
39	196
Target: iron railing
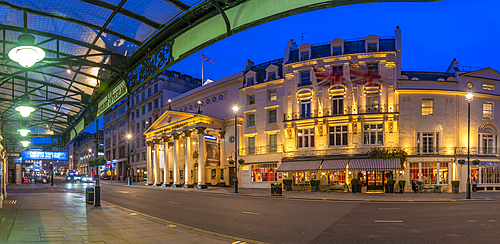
411	151
261	150
349	110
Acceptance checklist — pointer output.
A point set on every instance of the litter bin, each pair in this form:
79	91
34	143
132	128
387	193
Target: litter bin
89	195
276	189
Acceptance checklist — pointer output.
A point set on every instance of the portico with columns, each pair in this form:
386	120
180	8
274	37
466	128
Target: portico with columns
174	142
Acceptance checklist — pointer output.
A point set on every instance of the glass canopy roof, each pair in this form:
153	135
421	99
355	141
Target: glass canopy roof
83	40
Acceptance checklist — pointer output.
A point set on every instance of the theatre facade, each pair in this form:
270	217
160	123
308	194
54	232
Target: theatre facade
323	112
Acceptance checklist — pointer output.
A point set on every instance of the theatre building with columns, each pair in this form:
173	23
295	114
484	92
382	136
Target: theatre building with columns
323	112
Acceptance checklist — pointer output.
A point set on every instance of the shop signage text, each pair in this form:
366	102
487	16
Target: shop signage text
44	155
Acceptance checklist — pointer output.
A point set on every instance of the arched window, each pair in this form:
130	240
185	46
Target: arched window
487	142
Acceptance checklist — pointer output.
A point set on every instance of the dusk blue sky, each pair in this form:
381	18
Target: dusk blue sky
432	33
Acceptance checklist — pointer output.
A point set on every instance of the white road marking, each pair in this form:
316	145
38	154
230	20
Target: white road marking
173	202
389	208
251	213
473	221
388	221
492	220
133	213
123	192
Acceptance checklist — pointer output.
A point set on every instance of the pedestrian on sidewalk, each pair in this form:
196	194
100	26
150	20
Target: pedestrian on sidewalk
474	184
414	186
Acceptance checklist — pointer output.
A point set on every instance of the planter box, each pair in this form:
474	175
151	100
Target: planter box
314	188
354	188
455	189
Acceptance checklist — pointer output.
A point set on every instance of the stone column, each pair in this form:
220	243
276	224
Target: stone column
166	174
176	159
187	168
201	159
157	163
148	163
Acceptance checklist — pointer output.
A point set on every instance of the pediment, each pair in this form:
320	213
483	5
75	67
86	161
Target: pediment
487	73
169	118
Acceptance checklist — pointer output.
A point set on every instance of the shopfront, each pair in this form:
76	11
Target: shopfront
375	172
301	172
487	176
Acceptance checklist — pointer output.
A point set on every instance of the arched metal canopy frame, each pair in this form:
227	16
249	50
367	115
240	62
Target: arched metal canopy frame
195	28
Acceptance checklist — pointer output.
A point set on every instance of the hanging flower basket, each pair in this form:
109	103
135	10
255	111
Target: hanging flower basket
461	161
476	162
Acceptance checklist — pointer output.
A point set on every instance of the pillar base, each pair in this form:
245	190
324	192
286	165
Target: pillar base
159	184
201	187
149	184
165	185
187	186
176	185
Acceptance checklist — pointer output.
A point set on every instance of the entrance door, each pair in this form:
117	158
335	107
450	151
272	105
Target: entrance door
231	176
375	180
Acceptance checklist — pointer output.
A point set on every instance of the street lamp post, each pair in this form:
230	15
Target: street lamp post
235	110
469	96
129	136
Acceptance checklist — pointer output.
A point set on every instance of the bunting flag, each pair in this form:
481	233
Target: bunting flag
335	77
362	76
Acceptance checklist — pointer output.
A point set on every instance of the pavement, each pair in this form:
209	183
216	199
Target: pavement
337	196
66	218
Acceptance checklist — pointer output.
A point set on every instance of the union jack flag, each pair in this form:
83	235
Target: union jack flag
205	58
334	77
363	76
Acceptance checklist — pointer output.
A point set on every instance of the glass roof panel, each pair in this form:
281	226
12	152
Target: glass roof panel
76	10
191	2
130	27
159	11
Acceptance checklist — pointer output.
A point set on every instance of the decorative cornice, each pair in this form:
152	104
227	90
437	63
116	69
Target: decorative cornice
176	136
187	133
166	138
148	143
201	130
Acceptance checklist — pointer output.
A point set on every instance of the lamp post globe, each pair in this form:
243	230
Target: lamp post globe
26	54
129	182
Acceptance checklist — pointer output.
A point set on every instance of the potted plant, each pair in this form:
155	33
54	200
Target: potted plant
354	183
402	186
241	161
315	185
476	162
288	184
386	186
360	179
461	161
390	183
455	184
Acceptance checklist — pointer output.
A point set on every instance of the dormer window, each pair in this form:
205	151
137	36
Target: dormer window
372	47
271	75
250	81
304	55
337	50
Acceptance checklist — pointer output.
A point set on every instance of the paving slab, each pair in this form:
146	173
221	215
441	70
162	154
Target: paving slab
34	218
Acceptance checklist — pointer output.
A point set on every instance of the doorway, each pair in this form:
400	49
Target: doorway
231	176
375	180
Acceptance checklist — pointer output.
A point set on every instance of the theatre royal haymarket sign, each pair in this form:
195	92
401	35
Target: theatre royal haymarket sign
115	95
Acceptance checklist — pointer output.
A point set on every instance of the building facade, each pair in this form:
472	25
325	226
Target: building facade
83	151
324	112
132	116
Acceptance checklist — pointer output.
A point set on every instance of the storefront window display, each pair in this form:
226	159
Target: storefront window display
264	172
336	177
432	173
489	173
303	178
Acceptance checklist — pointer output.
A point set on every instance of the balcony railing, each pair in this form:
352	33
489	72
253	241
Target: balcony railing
261	150
412	151
349	110
308	83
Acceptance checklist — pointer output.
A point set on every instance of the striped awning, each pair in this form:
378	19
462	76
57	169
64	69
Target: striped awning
374	164
299	166
335	165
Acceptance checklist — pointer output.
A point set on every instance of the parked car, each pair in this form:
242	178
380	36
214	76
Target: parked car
86	179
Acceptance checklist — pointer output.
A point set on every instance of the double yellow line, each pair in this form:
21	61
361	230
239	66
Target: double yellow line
173	224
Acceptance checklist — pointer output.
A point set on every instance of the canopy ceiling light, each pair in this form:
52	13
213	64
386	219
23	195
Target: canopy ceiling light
25	108
24	130
26	54
25	143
